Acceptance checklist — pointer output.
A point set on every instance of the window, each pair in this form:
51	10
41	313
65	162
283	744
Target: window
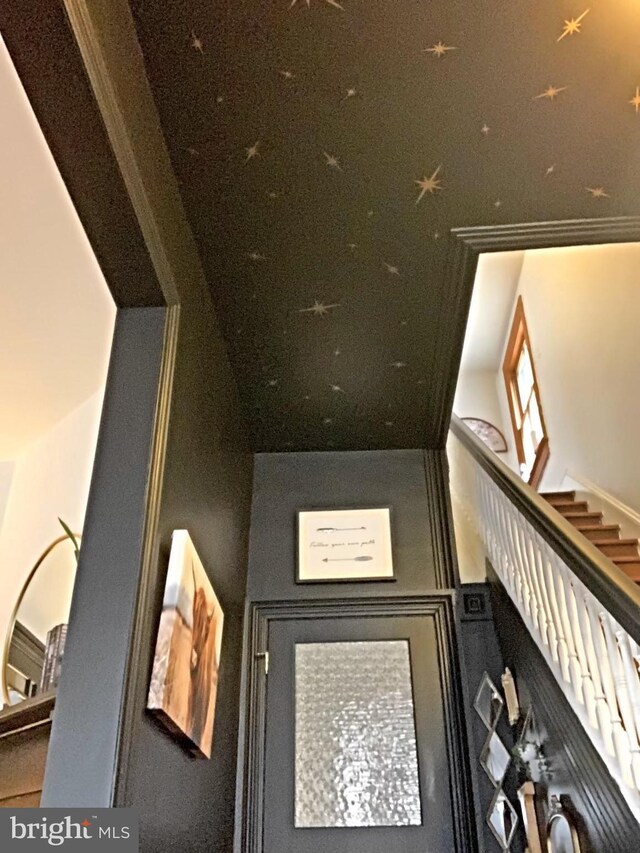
523	394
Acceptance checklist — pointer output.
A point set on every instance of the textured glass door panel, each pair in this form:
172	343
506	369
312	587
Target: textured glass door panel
356	762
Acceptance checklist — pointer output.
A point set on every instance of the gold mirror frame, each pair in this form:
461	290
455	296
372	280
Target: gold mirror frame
12	621
559	812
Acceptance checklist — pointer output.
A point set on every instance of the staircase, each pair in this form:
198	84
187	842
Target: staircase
625	553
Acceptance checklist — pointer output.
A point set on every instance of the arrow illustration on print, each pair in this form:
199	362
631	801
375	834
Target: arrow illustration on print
337	529
362	559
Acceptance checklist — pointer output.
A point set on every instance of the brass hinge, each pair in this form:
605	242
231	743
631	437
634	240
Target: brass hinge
265	656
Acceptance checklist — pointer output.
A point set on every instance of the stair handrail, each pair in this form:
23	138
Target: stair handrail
617	593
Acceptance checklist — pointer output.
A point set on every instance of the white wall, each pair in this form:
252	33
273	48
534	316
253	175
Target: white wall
477	396
6	475
582	307
50	479
56	312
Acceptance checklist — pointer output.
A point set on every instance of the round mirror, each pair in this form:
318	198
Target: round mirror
37	630
562	836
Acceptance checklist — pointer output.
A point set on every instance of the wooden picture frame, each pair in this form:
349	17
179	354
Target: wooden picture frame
346	545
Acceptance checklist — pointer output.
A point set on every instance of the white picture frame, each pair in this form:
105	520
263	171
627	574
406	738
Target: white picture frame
344	545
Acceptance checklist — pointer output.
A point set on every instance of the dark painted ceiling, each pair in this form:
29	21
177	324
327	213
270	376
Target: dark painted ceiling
324	151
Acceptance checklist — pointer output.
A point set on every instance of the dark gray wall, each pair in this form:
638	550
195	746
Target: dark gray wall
578	771
480	653
85	731
187	803
286	482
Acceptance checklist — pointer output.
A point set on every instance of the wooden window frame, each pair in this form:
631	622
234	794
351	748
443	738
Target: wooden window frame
518	338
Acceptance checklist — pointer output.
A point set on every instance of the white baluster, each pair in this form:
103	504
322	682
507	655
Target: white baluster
633	677
558	582
620	742
603	714
622	696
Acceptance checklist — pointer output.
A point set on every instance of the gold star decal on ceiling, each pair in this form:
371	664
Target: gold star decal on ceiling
573	26
485	129
439	50
196	43
332	162
252	151
429	185
336	352
288	75
351	93
551	93
319	309
256	256
597	192
391	269
333	3
551	169
635	101
337	389
398	364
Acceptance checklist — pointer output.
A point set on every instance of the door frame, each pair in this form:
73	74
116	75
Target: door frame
252	735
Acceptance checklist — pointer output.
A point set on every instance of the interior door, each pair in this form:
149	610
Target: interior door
356	750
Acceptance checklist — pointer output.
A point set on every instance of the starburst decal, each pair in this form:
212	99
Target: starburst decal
196	43
319	309
429	185
635	101
256	256
550	93
252	151
551	169
333	3
485	129
439	49
597	192
332	162
351	93
337	389
391	269
398	364
573	26
288	75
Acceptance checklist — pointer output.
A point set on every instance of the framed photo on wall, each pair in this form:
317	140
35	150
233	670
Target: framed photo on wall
344	545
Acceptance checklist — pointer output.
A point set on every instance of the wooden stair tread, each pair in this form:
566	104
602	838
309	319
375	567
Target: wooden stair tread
550	497
623	553
571	506
583	513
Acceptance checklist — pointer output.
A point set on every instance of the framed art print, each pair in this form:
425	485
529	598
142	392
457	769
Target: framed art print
342	545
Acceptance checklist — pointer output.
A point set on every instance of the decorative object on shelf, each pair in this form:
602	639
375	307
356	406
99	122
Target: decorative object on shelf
502	819
487	432
488	702
42	604
184	680
511	695
337	545
528	799
562	832
53	654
